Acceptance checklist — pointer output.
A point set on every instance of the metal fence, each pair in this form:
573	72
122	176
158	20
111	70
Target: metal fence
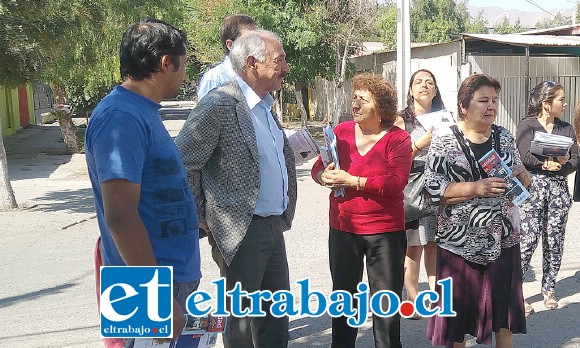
514	94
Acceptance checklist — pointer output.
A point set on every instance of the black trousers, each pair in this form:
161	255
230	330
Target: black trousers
385	260
260	264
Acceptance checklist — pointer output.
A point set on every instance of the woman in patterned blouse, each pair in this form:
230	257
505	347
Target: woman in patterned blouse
478	225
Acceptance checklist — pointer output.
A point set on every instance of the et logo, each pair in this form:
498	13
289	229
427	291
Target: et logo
136	302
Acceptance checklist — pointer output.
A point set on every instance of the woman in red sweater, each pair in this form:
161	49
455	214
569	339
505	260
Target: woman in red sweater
375	160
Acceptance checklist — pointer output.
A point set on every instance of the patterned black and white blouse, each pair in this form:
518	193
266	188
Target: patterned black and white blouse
479	228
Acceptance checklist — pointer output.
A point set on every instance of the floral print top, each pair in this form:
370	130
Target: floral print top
479	228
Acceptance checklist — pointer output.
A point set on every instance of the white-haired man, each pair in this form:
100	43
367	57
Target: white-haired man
242	171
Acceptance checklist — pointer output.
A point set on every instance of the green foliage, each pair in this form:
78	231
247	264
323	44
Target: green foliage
387	25
558	20
301	25
303	29
202	22
478	25
73	43
21	30
437	20
505	28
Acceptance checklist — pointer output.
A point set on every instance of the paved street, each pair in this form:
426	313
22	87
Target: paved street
47	292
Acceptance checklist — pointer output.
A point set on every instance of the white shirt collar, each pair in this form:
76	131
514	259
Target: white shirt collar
251	97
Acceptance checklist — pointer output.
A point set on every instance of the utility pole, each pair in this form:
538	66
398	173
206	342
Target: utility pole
403	50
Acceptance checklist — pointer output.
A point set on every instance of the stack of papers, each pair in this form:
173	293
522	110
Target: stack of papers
545	144
436	120
331	154
199	332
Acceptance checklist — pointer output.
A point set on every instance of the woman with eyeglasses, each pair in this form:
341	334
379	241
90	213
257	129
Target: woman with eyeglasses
545	213
368	221
423	97
477	223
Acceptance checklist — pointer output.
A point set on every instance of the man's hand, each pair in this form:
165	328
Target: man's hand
178	324
178	319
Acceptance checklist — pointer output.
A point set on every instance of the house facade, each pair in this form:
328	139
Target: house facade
16	108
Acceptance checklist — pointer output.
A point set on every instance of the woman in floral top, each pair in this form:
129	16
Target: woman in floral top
478	225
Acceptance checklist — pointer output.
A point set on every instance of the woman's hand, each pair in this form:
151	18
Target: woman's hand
425	140
490	187
551	165
337	178
522	174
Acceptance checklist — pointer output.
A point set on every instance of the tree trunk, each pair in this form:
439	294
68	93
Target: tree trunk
7	199
65	122
69	132
300	102
339	83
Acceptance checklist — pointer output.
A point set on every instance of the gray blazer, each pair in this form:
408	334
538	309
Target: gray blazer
220	153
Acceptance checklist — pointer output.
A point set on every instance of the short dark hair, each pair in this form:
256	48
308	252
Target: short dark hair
544	92
436	103
470	85
232	26
383	94
145	43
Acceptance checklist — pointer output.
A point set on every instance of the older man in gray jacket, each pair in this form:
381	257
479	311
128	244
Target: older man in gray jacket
242	171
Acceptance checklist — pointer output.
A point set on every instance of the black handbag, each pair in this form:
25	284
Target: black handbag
415	205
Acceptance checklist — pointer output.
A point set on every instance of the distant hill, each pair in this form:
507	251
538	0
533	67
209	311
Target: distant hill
494	15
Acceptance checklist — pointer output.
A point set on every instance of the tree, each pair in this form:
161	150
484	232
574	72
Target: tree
300	24
505	28
302	27
7	199
387	25
478	25
351	21
73	45
438	20
202	22
558	20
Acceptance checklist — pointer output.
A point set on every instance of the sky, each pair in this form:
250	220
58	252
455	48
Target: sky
523	5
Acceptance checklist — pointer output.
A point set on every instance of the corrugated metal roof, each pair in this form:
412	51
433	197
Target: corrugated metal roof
571	28
527	40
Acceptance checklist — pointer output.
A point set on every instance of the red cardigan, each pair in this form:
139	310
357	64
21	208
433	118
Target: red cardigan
379	207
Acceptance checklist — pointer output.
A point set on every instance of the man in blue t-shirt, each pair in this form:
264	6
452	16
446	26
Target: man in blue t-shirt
146	212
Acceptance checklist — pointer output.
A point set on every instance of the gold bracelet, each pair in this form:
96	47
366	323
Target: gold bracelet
358	183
